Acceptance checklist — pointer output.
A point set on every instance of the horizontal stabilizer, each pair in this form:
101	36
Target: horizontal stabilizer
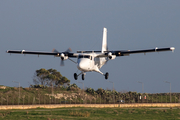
87	51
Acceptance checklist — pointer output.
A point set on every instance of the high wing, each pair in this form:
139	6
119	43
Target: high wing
105	54
55	53
128	52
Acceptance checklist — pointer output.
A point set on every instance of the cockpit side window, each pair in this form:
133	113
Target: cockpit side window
80	56
85	56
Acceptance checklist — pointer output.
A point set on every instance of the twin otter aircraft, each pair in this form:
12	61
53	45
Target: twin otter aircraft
88	61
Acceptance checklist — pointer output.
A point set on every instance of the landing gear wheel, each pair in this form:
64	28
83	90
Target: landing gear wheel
106	75
82	76
75	76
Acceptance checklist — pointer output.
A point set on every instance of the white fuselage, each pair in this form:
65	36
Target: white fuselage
89	62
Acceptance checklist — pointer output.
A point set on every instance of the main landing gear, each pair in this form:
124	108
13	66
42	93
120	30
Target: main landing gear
76	76
106	75
83	76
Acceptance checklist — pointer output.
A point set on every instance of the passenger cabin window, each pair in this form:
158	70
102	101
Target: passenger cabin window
85	56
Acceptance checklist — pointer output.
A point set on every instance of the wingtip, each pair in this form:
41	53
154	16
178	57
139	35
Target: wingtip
7	51
172	49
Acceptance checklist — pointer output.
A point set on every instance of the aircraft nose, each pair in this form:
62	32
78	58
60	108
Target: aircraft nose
82	65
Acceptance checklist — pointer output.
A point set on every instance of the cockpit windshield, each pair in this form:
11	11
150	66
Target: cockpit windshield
85	56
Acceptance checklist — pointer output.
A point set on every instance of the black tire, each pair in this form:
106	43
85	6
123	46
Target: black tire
75	76
106	75
82	76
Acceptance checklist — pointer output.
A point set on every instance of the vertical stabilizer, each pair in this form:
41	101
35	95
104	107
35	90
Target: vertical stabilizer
104	40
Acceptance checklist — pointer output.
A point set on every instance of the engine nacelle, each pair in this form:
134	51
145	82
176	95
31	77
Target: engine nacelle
110	56
113	57
63	57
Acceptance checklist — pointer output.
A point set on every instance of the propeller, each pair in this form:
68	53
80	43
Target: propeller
68	50
54	50
62	63
63	55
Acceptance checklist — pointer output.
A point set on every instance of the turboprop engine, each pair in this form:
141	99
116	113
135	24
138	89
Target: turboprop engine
110	56
63	57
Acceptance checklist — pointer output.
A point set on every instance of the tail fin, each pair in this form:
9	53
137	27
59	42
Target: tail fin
104	41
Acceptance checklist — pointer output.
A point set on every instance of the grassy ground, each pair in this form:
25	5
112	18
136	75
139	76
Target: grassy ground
92	114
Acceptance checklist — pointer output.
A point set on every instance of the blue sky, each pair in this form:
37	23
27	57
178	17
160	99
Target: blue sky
43	25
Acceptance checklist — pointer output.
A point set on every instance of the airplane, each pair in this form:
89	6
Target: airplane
91	61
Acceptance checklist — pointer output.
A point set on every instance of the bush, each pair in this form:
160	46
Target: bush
73	87
38	86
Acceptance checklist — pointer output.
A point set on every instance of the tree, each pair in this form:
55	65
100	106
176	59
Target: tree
49	77
62	81
40	76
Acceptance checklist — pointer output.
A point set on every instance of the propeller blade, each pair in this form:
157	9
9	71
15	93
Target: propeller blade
62	63
68	50
54	50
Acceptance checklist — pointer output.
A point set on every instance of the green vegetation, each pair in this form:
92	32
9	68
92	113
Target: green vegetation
91	113
53	88
73	94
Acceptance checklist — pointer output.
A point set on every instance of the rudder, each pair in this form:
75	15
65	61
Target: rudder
104	41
